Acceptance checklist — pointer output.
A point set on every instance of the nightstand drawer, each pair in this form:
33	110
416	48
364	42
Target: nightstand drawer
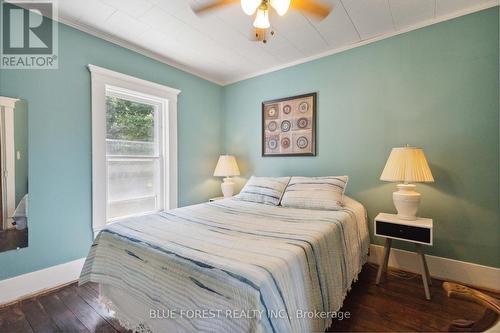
405	232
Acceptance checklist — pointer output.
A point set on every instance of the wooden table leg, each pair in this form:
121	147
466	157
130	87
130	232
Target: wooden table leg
423	264
385	261
429	279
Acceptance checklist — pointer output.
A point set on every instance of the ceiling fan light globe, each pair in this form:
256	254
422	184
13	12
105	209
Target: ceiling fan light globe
262	19
281	6
250	6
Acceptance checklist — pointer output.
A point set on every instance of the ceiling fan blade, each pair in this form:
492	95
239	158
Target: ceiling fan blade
312	7
212	6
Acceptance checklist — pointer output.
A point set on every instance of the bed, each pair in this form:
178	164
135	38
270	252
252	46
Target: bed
229	266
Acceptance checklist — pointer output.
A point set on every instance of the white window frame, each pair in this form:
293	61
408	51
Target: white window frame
103	80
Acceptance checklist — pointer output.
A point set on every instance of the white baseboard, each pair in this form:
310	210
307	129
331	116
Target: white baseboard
441	268
23	286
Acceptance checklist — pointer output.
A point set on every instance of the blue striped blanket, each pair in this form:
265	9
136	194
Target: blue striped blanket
250	267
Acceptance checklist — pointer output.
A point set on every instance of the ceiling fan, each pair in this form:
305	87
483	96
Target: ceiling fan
260	8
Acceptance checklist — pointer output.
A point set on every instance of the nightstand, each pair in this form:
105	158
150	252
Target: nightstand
215	199
418	232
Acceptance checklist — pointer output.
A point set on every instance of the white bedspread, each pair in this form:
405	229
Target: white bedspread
244	267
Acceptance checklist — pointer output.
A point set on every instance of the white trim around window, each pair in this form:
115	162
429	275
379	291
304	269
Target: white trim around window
104	80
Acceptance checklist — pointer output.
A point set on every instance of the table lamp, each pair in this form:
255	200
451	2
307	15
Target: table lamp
407	165
227	167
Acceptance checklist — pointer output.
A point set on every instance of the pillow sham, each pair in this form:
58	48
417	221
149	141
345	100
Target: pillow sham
322	193
266	190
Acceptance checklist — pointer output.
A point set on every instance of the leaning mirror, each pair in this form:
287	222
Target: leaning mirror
13	174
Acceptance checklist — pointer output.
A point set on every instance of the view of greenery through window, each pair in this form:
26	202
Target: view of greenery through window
129	127
127	120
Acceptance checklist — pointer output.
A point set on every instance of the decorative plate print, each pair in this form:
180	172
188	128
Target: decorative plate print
289	126
302	142
272	143
302	122
285	143
285	126
272	112
303	107
272	126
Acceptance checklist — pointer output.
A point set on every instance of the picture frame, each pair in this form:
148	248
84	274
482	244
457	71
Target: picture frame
289	126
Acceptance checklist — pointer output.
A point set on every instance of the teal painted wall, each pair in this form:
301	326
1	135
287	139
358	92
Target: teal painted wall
435	87
60	143
21	146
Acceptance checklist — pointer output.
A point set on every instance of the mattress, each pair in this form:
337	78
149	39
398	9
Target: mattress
230	266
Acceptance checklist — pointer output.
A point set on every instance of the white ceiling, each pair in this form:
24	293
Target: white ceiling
216	46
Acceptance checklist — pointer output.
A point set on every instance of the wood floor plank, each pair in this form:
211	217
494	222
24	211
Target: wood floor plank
402	315
410	292
12	320
84	312
37	317
61	315
399	305
441	306
365	319
91	297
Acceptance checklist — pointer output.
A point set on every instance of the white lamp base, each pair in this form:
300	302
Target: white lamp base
406	201
227	187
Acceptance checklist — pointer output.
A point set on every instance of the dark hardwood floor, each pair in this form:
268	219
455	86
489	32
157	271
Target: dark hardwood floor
396	305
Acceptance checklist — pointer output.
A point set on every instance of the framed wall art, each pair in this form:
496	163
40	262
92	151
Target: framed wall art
289	126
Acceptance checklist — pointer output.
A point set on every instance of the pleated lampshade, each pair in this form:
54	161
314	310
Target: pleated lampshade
407	164
226	167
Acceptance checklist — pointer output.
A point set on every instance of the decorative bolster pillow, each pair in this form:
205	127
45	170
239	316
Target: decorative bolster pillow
322	193
266	190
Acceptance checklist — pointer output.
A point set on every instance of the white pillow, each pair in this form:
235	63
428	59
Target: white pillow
266	190
322	193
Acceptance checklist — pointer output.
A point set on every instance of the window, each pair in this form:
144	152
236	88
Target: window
134	154
134	150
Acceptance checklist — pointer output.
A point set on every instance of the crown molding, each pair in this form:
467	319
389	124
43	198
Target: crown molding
153	55
489	4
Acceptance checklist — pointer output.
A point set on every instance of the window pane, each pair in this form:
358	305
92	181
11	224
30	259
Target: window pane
131	207
130	128
133	160
134	183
